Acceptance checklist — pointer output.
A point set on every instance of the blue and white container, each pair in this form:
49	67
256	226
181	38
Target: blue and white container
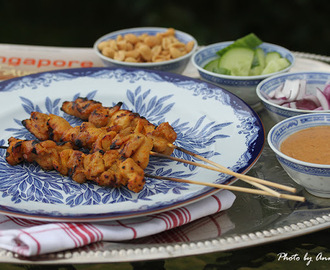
242	86
315	178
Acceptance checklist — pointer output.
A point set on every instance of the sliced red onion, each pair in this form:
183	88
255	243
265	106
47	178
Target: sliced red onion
293	105
272	93
306	104
279	101
279	94
302	90
326	91
292	94
313	99
323	99
291	89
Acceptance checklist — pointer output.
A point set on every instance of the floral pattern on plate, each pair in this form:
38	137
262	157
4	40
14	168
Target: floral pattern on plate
157	96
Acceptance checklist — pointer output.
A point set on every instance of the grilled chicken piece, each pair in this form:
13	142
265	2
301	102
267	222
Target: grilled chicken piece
33	150
37	125
162	136
108	168
83	108
46	127
137	146
134	145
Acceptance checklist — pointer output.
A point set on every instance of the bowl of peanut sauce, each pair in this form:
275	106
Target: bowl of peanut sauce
302	147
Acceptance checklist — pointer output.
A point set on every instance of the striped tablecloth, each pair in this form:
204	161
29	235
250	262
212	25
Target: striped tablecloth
31	237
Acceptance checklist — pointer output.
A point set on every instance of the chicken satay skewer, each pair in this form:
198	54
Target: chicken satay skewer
105	168
77	107
57	128
175	159
49	156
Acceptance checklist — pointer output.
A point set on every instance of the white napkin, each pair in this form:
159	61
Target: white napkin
30	238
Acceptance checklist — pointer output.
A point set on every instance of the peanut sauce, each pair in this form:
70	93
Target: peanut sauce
309	145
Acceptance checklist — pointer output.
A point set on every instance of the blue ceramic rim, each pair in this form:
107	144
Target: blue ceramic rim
311	170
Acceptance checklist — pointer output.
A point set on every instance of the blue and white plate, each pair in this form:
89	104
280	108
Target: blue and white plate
208	120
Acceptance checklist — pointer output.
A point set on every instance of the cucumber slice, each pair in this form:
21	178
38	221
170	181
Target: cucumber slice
250	41
259	58
238	60
213	64
255	71
223	71
276	65
272	56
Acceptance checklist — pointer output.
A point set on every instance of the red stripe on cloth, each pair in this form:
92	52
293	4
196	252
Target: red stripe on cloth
25	222
34	239
76	229
173	218
186	214
128	227
178	217
183	235
165	219
87	232
68	231
17	221
98	233
91	233
172	236
177	235
184	217
217	225
218	201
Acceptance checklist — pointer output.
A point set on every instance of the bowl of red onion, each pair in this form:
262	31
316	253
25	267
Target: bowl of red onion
290	94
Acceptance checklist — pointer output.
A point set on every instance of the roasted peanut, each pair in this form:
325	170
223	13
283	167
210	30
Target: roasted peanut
145	48
131	38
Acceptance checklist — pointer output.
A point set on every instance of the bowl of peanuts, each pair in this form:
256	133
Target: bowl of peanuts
155	48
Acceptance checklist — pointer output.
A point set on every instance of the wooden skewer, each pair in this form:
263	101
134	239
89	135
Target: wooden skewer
237	175
273	192
232	188
222	169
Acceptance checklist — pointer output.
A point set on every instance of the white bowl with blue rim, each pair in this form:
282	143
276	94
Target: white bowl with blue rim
277	112
177	65
242	86
315	178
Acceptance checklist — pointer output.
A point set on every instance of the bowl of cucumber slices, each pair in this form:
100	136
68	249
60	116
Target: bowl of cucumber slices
239	66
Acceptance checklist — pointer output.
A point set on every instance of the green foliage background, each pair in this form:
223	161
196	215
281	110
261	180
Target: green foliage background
299	25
